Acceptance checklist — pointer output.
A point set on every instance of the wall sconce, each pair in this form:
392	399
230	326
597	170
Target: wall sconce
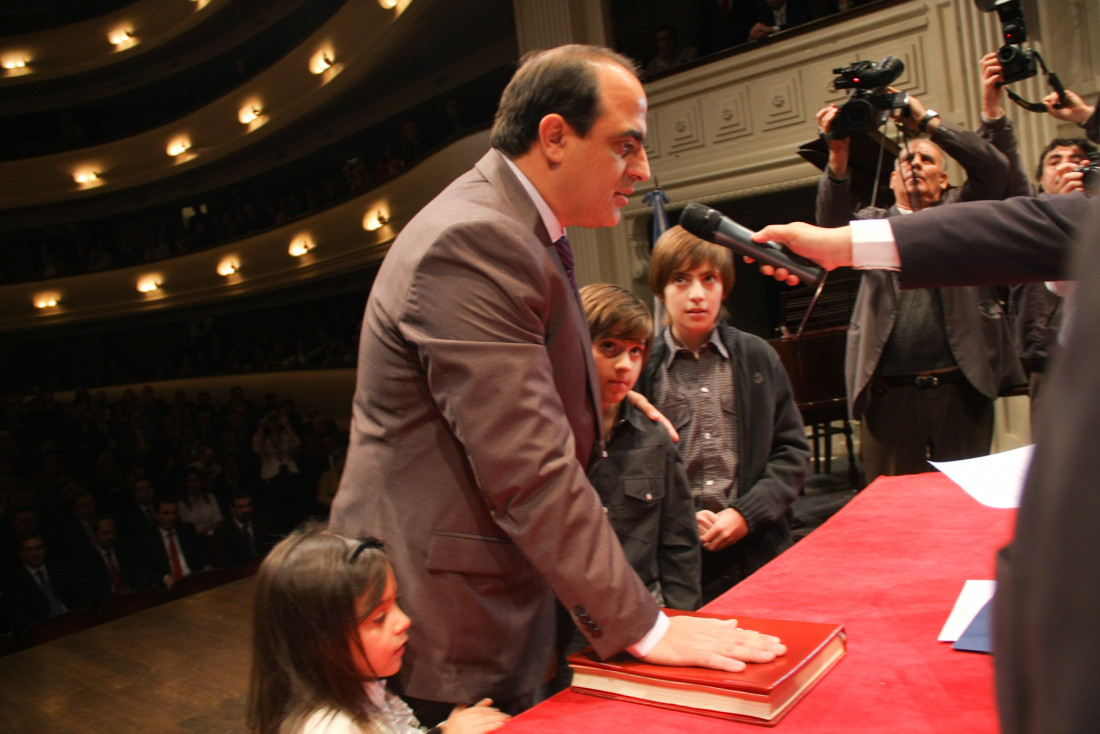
15	62
148	284
86	176
321	62
301	245
375	220
122	38
178	146
249	113
388	4
47	300
228	266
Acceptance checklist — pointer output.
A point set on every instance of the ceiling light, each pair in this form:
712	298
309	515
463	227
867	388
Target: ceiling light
15	63
375	220
249	113
301	245
122	38
388	4
148	284
85	176
228	266
47	300
321	62
178	146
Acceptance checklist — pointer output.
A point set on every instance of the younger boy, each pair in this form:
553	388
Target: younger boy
727	394
640	479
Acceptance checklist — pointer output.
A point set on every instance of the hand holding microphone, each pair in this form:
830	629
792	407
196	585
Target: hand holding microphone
713	226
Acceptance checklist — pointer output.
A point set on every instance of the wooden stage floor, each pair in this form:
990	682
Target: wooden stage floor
178	667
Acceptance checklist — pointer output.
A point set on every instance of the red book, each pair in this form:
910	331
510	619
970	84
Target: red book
760	694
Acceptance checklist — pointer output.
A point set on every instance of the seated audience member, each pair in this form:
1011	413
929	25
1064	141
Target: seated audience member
728	395
36	590
136	514
773	16
326	625
640	479
174	551
199	508
724	23
1036	308
670	53
922	366
245	535
109	568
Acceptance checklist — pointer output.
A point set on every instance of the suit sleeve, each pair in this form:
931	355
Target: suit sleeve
1021	239
481	317
1001	135
834	200
986	167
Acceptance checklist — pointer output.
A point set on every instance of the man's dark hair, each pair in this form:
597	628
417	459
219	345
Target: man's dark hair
561	80
1084	144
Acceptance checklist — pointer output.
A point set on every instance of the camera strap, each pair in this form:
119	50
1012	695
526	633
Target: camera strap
1055	84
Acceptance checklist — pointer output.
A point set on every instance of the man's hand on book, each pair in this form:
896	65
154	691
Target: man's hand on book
713	643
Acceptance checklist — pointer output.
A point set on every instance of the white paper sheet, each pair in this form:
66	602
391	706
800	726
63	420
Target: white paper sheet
995	480
975	593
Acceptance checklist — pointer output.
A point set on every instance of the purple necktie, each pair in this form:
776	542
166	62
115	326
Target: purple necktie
566	256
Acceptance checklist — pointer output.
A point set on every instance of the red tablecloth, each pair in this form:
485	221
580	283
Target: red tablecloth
889	567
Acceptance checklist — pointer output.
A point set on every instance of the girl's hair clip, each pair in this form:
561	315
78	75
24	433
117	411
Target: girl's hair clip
369	542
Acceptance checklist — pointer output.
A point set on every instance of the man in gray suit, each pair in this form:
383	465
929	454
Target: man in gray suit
476	409
923	366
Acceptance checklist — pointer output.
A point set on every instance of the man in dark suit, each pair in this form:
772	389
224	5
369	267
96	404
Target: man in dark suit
36	590
923	366
1046	650
174	549
109	568
245	536
476	409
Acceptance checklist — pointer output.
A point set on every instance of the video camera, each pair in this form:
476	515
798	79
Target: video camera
869	105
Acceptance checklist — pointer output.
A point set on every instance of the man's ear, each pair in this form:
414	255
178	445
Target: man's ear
552	132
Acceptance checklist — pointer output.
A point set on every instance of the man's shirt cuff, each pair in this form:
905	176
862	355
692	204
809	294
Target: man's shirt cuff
873	245
644	646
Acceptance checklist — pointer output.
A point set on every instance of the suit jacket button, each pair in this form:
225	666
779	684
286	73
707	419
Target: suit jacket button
579	609
596	633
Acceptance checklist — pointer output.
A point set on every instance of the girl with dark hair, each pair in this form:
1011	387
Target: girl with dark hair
326	631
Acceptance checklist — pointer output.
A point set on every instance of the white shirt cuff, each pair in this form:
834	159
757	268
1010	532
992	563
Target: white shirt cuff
644	646
873	246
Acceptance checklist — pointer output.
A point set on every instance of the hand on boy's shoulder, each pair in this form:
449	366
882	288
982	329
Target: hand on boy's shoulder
640	402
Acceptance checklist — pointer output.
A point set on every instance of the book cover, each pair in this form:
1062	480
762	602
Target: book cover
760	694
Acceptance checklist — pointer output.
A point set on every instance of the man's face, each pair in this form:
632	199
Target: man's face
693	299
924	163
143	491
32	552
242	509
104	534
618	364
666	41
598	172
1059	161
168	514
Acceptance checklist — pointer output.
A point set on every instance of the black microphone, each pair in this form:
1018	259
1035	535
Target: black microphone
713	226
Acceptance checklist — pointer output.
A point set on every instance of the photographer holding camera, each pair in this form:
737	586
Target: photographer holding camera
922	367
1036	308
